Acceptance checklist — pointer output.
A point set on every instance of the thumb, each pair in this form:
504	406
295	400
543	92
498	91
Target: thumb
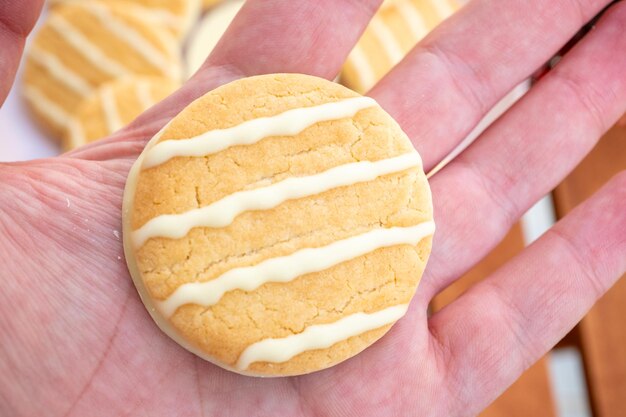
17	18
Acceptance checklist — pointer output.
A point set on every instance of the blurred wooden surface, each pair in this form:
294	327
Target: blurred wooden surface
530	395
603	331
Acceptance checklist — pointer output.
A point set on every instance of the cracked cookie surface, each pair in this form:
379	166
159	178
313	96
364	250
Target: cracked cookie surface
328	229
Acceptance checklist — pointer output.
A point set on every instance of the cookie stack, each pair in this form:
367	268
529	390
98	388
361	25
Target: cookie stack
95	65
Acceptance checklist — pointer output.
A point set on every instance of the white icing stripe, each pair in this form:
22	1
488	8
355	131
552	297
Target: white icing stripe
222	212
160	17
289	123
153	15
109	108
46	107
319	336
87	49
287	268
134	39
413	18
144	95
76	136
387	39
362	68
443	8
172	48
60	72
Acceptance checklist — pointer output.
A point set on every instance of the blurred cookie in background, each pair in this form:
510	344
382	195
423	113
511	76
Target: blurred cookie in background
397	27
207	4
178	16
83	45
113	106
208	33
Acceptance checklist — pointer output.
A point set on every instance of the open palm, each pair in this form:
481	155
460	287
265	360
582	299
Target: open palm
75	339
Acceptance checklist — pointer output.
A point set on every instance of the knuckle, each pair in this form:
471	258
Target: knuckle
591	99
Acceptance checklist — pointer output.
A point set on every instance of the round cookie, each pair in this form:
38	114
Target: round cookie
392	33
278	225
208	33
84	45
178	16
113	106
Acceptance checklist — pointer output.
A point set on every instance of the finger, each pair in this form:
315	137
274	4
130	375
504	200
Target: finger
452	78
534	300
267	36
17	18
293	36
528	151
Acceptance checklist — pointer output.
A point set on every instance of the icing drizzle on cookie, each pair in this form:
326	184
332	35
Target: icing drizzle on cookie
62	73
443	8
90	51
159	16
75	135
319	336
363	69
151	14
222	212
109	108
144	95
287	268
46	107
359	58
414	20
388	40
133	38
288	123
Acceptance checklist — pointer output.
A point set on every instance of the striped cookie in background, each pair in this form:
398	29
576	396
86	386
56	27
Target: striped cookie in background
392	33
83	45
278	225
208	33
178	16
207	4
113	106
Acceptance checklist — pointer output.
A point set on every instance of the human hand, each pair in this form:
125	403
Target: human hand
76	339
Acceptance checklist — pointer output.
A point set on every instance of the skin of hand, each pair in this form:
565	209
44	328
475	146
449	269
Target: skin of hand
75	339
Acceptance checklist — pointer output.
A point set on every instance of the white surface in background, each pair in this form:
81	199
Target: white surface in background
538	219
565	367
20	137
498	110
